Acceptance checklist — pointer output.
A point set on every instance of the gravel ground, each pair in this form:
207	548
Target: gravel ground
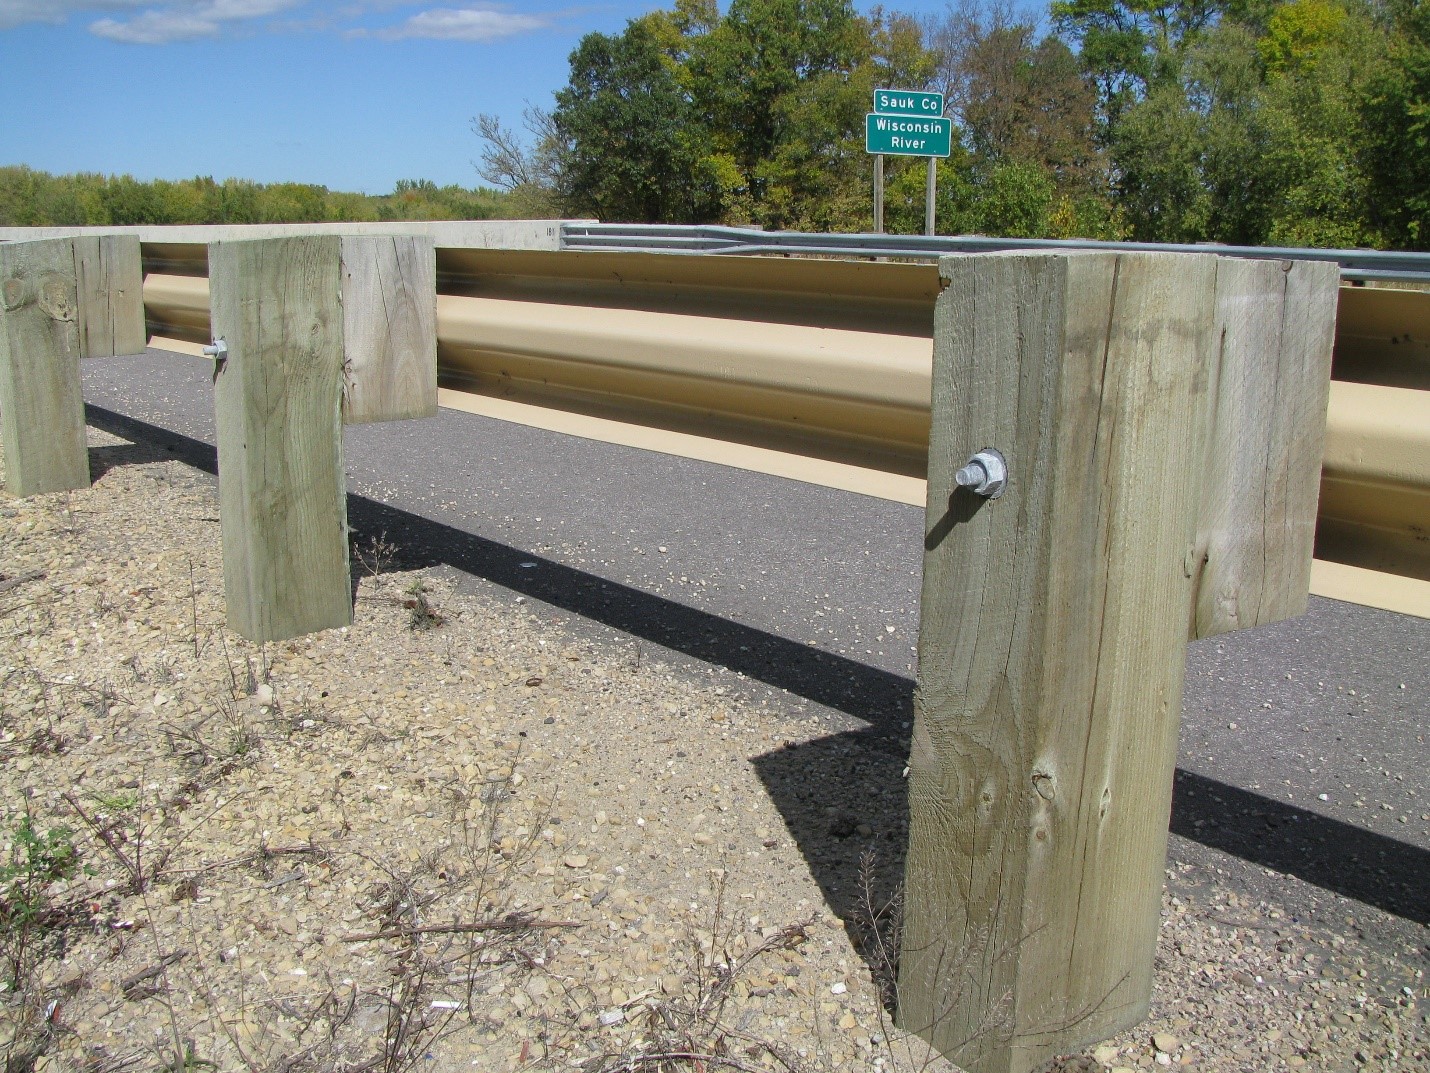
457	835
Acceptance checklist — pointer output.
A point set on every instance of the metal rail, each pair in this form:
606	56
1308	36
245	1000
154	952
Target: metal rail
1356	265
819	370
816	367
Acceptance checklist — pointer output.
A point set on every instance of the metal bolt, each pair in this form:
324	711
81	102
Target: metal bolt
986	474
219	352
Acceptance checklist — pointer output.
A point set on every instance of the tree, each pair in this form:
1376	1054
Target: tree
1026	119
1397	116
1129	47
1319	57
818	176
1259	138
530	175
1191	156
33	198
632	143
753	117
1029	102
743	68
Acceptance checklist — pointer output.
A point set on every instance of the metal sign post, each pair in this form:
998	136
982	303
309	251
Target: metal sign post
930	193
907	122
878	193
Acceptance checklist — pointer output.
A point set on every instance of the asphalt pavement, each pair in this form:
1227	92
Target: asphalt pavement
1302	774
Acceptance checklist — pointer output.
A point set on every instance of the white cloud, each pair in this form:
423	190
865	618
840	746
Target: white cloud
186	21
478	23
15	12
159	22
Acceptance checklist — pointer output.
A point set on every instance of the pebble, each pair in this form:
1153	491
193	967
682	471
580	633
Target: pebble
401	744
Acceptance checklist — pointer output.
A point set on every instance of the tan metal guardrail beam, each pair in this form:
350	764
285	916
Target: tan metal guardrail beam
819	371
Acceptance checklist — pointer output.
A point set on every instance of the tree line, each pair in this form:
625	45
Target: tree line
1281	122
30	198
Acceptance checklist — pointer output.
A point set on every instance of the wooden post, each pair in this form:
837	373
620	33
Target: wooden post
278	400
1263	469
389	328
315	326
110	281
41	406
1162	416
1052	646
63	299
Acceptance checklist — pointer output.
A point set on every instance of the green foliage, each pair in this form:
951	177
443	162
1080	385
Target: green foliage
33	863
1320	189
1300	34
1261	137
1009	199
755	116
638	143
1397	121
31	198
749	72
1131	46
1299	122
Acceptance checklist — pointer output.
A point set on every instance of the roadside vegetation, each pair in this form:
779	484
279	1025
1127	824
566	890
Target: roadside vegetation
30	198
1288	122
1258	122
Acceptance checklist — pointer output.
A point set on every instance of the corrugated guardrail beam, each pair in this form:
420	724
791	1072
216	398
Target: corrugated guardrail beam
819	370
708	238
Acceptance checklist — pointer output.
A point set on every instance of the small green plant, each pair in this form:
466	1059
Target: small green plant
118	801
184	1059
34	862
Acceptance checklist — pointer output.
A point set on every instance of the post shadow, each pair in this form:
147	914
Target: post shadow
828	789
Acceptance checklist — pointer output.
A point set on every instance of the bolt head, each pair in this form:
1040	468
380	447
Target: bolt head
986	474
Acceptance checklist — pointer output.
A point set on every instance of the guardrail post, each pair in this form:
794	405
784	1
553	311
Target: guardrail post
1051	652
110	281
1162	417
63	300
389	328
1263	470
314	327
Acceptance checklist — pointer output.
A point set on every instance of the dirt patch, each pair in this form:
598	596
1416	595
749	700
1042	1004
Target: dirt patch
455	836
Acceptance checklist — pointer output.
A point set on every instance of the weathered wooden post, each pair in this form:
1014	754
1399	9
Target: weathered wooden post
63	299
1056	617
1263	472
313	330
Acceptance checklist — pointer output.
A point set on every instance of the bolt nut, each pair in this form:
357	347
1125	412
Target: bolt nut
985	474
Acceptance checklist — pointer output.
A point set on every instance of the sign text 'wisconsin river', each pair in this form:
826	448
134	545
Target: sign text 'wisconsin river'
908	136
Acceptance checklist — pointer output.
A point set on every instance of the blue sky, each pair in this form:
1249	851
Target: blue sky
351	94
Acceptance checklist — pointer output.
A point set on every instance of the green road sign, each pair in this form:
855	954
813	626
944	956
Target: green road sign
900	135
908	102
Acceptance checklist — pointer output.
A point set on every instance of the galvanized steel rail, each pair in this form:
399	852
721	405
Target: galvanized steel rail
816	367
667	238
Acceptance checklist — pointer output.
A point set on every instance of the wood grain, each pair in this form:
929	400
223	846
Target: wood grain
41	404
282	494
1052	646
1259	498
389	328
110	282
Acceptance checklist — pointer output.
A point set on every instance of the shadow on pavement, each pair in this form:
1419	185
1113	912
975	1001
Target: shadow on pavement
845	794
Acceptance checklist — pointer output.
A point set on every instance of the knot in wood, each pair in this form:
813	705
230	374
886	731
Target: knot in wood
16	294
57	298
